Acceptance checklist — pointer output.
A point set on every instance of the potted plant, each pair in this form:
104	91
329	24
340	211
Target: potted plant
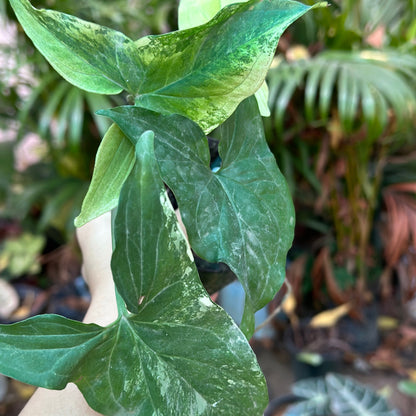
333	394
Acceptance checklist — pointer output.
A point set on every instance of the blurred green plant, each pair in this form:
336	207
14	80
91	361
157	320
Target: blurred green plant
341	108
20	255
408	387
337	395
62	115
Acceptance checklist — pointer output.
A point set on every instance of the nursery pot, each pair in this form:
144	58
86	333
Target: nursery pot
314	351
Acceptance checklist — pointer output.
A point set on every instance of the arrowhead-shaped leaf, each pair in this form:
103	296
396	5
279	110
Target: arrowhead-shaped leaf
202	73
241	215
179	354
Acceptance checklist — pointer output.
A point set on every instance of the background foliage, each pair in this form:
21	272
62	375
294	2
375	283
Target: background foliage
343	103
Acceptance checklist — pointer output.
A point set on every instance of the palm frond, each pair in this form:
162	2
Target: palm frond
283	83
364	87
62	116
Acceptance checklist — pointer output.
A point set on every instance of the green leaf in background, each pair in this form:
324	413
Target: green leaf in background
314	393
113	163
407	387
150	362
338	395
20	255
90	56
359	83
241	215
350	398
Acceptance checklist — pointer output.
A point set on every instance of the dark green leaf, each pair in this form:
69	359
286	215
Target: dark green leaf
180	354
241	215
43	350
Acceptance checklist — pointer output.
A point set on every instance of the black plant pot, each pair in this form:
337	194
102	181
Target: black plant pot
362	335
302	369
304	342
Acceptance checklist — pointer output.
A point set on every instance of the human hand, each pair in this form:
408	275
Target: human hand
96	246
95	241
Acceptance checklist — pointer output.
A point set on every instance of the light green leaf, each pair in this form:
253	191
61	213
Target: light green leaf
90	56
326	88
180	354
113	163
262	97
407	387
241	215
193	13
217	65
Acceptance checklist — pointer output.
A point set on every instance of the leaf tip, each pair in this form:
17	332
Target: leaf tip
320	4
79	222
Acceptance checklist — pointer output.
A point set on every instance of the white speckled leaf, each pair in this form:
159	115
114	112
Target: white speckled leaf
242	215
178	354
